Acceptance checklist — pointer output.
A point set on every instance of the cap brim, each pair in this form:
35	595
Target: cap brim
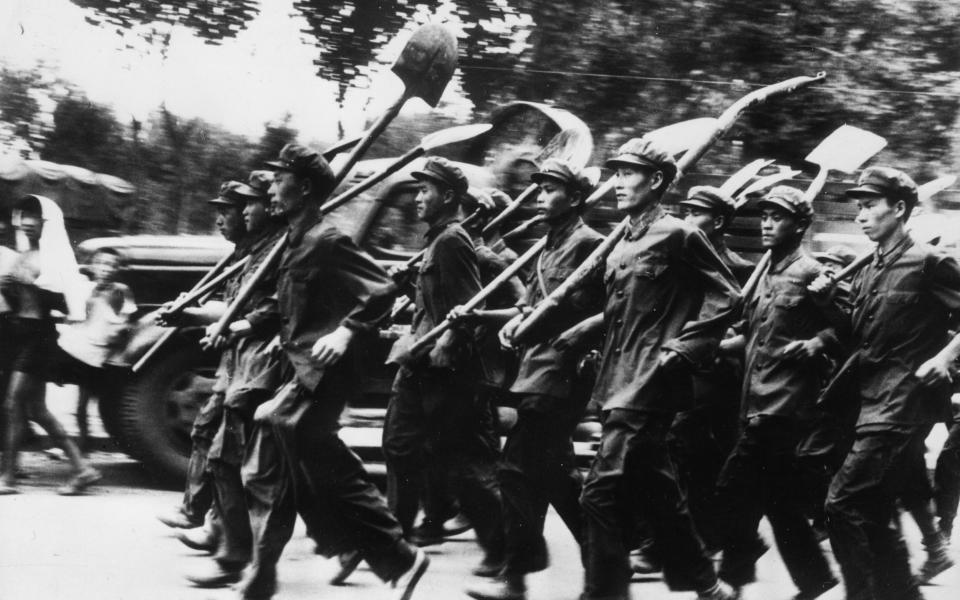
426	175
540	176
249	193
779	203
275	165
218	201
864	190
631	161
698	203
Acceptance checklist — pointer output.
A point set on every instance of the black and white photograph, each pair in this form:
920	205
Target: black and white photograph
489	299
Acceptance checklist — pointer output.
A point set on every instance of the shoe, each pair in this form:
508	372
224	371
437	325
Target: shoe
262	587
818	590
456	525
937	562
199	539
349	561
720	591
176	519
499	589
407	582
80	482
8	489
221	575
488	568
427	533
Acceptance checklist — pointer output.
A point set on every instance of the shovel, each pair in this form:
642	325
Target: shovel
765	182
451	135
572	145
425	66
843	150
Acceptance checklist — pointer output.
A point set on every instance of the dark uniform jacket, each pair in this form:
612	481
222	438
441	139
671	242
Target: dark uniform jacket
449	275
738	265
904	302
780	312
325	281
666	288
544	370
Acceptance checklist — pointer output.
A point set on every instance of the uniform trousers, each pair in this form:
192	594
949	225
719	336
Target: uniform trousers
633	476
223	463
437	415
761	477
304	468
538	469
946	477
861	513
198	494
700	440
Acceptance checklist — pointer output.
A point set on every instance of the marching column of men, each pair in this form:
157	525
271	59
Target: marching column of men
690	372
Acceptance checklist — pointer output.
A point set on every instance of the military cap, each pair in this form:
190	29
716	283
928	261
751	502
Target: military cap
304	162
644	152
885	181
790	199
710	198
441	170
234	193
562	171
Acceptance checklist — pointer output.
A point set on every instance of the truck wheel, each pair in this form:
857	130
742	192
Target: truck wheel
159	404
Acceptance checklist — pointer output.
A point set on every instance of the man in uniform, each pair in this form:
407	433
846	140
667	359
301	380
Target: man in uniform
328	293
198	494
669	300
538	467
253	375
785	335
702	437
902	304
435	412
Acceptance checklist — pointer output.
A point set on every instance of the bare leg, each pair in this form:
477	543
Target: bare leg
83	400
13	406
35	400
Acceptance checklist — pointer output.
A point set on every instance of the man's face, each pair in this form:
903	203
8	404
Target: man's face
877	217
230	222
104	267
31	225
287	194
431	201
701	218
554	202
634	186
255	215
778	227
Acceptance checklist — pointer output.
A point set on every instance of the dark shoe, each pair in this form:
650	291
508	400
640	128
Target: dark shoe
456	525
817	590
349	561
8	489
178	520
220	575
427	533
488	568
406	583
263	587
937	562
80	482
199	539
720	591
499	589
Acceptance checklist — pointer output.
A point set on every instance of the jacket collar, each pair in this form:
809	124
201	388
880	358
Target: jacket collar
638	226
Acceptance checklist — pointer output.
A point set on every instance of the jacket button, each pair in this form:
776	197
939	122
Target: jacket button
620	293
866	345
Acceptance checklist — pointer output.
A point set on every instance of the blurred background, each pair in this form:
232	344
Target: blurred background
138	110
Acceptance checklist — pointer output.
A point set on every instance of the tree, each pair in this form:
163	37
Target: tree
86	134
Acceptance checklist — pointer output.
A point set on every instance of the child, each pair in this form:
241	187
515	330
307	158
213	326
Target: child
87	344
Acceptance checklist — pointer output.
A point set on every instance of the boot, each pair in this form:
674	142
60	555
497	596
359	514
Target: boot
938	560
506	587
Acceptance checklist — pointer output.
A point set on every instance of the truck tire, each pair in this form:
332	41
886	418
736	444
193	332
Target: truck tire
158	405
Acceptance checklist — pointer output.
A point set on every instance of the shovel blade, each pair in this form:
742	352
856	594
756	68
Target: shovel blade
846	149
766	182
572	145
679	137
932	188
745	174
454	135
427	62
